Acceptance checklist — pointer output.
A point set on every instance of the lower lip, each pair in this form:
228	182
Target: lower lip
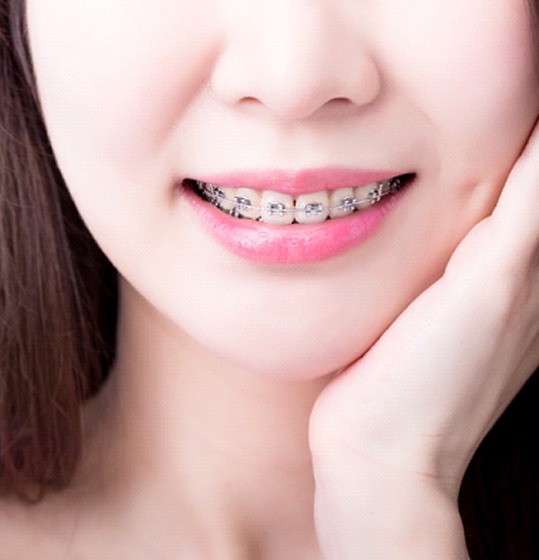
292	244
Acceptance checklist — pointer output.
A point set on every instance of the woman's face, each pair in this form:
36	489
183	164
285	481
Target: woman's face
294	97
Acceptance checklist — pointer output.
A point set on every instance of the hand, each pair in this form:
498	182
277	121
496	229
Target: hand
392	436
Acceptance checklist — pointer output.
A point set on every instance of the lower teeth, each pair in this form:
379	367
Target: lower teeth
240	206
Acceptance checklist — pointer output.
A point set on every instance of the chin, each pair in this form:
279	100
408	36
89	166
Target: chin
293	362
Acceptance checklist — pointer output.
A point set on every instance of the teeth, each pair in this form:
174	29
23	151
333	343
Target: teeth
281	209
362	195
227	202
312	208
341	202
276	208
248	202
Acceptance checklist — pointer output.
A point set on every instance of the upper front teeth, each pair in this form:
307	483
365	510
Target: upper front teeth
276	208
312	208
279	208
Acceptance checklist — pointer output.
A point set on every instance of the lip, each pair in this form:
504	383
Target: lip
291	244
304	181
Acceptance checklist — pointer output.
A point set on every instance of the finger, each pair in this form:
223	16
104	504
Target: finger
507	242
518	205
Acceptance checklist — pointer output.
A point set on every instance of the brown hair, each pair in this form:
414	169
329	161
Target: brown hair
58	301
57	290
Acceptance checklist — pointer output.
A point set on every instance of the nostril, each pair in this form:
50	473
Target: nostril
249	100
296	108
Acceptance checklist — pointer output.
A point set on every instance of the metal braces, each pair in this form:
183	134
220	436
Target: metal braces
240	204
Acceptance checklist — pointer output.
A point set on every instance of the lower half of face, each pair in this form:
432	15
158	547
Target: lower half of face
196	158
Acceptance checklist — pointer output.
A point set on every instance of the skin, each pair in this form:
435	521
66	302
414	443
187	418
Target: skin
127	118
208	398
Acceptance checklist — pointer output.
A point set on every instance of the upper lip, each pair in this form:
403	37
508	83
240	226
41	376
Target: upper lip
295	182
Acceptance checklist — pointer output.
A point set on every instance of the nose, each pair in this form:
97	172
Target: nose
295	59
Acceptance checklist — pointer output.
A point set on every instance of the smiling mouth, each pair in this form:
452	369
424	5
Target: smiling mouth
278	208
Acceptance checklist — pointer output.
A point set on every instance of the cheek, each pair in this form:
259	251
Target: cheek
114	77
470	71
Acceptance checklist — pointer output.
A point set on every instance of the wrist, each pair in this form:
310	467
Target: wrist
369	511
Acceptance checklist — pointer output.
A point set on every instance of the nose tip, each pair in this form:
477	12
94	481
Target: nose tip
306	64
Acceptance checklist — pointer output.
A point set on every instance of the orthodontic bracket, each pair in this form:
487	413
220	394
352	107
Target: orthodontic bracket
216	196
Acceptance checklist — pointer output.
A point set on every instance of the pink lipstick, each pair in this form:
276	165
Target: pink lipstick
296	243
299	182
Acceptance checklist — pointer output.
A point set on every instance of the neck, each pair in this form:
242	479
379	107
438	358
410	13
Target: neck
226	449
